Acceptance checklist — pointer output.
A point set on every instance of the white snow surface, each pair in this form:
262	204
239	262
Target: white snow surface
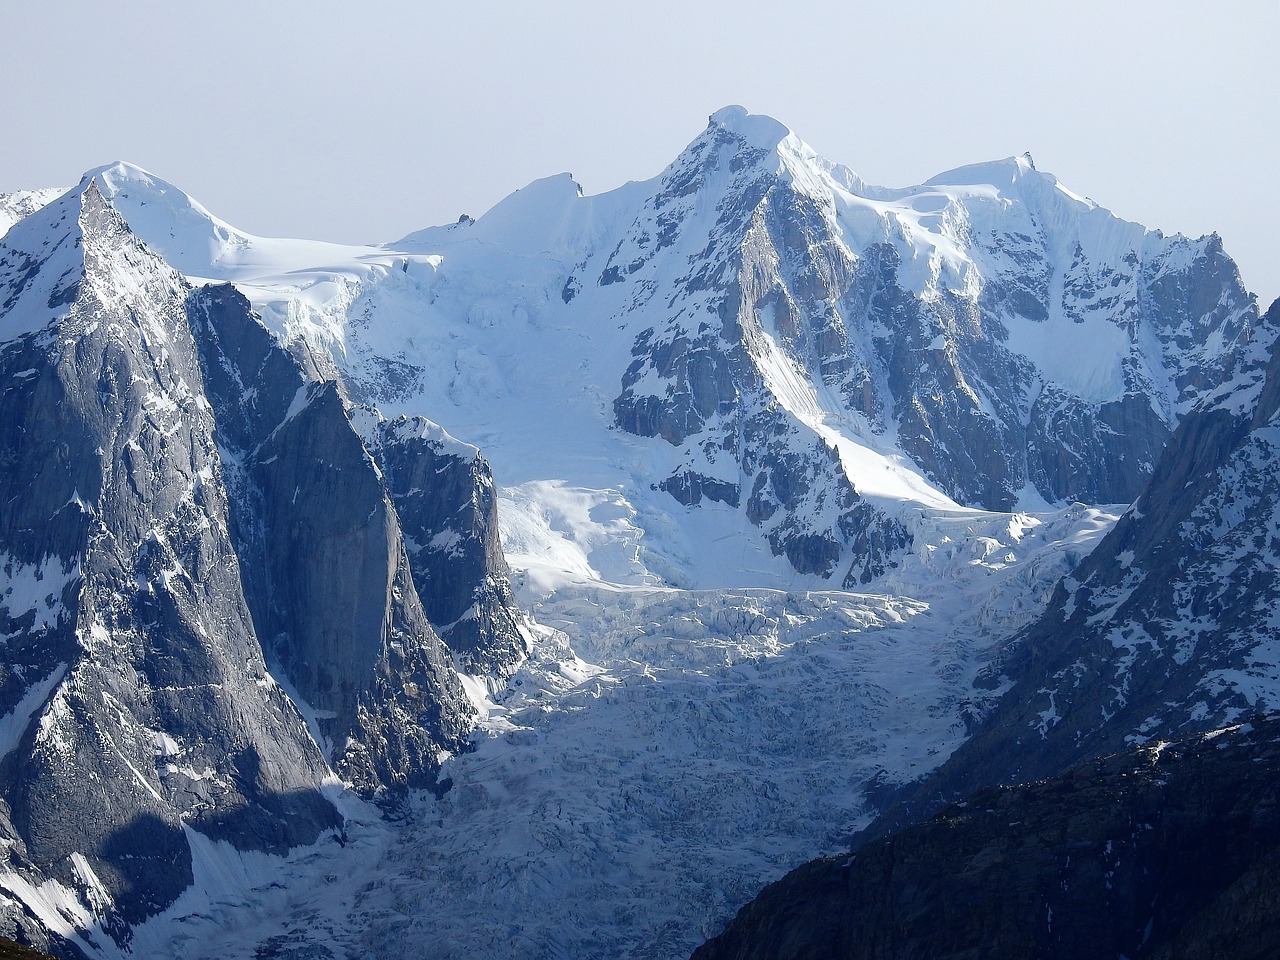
21	203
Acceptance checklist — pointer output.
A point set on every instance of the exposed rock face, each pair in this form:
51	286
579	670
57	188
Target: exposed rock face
345	619
1162	852
444	494
1168	626
191	511
138	697
333	522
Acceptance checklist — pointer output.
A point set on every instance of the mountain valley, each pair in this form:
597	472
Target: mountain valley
546	584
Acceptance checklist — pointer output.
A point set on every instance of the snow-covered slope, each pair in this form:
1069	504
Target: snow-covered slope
21	203
759	336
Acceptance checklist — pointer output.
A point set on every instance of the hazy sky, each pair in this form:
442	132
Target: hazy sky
362	122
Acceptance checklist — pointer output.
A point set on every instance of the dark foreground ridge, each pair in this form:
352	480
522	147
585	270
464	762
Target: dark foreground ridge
10	950
1168	851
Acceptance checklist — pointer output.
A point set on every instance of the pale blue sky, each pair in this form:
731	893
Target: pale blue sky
362	122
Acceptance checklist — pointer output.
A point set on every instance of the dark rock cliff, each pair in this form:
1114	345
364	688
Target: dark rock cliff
344	618
190	515
444	494
140	702
1167	851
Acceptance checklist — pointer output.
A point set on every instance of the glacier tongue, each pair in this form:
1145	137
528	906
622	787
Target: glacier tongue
660	755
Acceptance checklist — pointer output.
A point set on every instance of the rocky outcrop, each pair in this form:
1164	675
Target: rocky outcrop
706	382
444	494
390	543
1167	626
1163	851
138	701
207	602
344	617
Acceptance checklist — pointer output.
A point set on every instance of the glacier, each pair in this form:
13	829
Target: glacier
660	756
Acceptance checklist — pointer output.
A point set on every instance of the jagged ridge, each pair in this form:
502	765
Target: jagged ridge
195	517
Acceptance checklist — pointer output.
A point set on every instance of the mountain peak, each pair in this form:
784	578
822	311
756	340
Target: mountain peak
756	129
172	222
998	173
118	171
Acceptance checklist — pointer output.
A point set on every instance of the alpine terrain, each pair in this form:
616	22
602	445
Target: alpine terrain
548	583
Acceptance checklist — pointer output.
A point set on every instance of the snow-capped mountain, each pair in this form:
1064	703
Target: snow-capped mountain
208	603
703	409
796	348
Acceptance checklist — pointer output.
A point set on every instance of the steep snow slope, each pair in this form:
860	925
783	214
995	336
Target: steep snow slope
15	206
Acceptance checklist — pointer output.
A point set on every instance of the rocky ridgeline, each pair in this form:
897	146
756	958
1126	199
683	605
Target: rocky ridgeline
1165	851
194	517
444	494
795	276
